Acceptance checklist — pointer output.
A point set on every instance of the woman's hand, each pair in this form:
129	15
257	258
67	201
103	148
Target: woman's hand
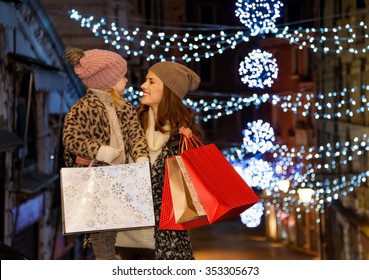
82	161
185	131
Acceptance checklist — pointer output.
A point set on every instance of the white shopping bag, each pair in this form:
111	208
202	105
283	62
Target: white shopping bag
106	198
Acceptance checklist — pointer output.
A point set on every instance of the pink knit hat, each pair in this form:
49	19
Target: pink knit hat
101	69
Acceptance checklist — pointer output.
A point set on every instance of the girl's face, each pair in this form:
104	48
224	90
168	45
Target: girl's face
152	90
121	85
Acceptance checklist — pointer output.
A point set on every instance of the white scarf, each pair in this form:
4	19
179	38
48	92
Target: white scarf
155	139
116	137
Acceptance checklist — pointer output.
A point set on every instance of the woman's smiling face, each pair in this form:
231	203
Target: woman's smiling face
152	90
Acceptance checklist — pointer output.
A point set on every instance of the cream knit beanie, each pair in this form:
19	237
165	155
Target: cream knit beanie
98	69
177	77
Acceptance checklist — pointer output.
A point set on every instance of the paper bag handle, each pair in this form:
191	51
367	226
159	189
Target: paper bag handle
187	143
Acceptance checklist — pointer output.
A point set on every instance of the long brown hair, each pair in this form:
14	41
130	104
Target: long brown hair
171	109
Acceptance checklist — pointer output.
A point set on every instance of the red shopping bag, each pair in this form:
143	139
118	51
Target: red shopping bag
167	218
222	191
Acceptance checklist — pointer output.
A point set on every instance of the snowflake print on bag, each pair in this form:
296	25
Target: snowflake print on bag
106	197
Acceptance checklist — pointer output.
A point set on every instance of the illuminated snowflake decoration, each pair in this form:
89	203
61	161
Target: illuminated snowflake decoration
258	15
258	137
258	69
257	173
252	216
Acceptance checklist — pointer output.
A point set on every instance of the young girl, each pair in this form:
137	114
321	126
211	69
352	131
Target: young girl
102	126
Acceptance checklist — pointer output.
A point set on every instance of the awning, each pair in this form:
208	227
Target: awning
8	140
8	15
48	80
46	77
36	182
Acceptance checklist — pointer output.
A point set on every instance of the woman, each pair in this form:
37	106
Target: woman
164	117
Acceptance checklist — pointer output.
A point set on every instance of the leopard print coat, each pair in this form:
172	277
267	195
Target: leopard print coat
86	128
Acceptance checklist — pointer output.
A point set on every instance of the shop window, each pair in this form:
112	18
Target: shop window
360	4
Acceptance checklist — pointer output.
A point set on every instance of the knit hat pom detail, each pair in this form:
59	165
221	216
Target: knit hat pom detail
73	56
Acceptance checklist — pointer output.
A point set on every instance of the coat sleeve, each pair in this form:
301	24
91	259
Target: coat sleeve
77	138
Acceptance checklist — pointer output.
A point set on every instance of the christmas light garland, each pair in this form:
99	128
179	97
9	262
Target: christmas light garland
299	103
203	42
295	168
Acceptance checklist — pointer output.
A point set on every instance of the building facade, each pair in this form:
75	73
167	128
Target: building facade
334	224
343	69
36	89
337	229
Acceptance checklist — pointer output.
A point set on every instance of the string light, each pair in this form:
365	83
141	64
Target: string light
295	167
339	39
303	173
204	43
299	103
258	69
258	15
327	190
252	216
350	149
258	137
194	44
257	173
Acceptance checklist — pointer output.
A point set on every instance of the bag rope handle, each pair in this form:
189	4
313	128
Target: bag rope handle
195	142
187	143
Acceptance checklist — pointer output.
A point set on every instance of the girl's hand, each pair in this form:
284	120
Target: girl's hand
82	161
185	131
